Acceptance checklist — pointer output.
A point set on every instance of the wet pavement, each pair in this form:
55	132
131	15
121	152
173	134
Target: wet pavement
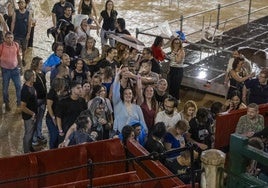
206	62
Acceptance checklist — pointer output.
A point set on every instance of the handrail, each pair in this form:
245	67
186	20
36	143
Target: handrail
219	8
90	166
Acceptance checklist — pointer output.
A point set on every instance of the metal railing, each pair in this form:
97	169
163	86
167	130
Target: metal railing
218	11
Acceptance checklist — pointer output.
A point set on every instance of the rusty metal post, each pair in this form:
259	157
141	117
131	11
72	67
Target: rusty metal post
181	24
218	16
249	10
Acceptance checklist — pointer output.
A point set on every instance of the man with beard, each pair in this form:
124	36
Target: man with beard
250	123
169	115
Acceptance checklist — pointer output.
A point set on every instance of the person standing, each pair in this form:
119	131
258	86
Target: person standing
41	90
10	62
21	27
176	68
237	76
258	88
58	11
29	109
29	7
86	7
108	16
69	109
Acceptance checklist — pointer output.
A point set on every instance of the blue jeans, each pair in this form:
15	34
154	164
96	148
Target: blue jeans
39	118
104	38
29	127
13	74
53	133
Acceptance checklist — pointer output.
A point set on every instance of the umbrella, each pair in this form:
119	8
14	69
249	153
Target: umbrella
257	56
127	40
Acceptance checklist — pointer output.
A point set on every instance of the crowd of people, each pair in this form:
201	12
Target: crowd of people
91	94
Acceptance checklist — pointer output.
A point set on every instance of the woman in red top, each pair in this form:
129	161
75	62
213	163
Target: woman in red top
158	53
149	106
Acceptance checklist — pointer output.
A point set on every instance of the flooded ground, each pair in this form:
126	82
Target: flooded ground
141	14
144	14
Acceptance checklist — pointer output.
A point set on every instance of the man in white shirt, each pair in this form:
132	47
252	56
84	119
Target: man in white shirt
169	115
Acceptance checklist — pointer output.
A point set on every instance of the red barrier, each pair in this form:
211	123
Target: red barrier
68	167
18	167
126	177
60	159
106	150
226	125
157	168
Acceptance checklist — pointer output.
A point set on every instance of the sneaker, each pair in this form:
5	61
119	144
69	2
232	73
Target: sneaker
35	143
42	140
8	109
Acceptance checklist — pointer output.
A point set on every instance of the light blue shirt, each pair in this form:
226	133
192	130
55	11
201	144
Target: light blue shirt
121	115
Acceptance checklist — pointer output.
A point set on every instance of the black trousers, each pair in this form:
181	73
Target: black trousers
174	81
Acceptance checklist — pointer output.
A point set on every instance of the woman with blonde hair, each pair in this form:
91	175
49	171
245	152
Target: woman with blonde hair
189	110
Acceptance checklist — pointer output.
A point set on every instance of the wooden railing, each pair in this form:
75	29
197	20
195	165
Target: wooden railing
226	125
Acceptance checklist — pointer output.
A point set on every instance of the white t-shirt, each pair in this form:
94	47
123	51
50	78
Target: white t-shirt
169	121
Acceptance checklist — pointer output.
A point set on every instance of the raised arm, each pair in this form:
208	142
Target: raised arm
238	78
80	7
13	22
94	8
116	87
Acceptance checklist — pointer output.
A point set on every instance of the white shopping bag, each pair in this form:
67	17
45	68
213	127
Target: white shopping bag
77	19
165	29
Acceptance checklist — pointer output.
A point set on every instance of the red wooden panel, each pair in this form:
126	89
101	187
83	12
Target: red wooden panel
157	168
60	159
105	180
18	167
127	177
226	125
107	150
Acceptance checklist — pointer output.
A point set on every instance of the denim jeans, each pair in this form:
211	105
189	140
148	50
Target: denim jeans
39	118
104	38
13	74
29	127
53	133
